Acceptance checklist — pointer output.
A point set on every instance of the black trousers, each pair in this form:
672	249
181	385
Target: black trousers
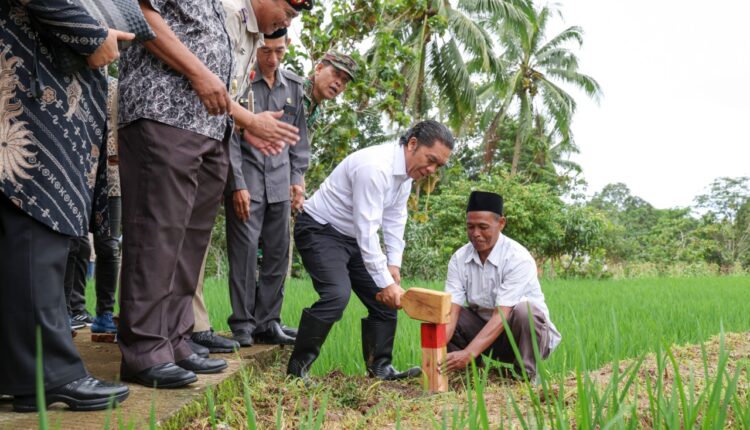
172	182
107	269
107	248
32	269
79	254
335	265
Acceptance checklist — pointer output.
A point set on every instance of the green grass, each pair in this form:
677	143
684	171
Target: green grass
649	313
627	331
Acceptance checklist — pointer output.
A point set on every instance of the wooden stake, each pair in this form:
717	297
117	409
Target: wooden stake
434	350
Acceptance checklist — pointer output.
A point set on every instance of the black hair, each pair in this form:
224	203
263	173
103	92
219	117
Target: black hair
427	132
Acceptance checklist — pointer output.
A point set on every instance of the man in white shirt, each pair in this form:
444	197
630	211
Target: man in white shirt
337	237
496	278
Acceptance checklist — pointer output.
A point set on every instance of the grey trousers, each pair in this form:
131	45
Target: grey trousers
32	269
257	303
470	324
172	182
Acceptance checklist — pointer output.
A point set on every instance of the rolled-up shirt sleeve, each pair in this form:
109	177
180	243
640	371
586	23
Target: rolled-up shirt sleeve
368	195
156	5
453	284
394	224
515	280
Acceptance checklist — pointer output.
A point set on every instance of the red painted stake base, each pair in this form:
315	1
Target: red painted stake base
433	353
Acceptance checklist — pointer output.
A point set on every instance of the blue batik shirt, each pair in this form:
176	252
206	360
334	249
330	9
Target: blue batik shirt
52	163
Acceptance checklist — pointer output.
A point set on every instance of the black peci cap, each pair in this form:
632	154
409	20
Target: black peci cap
276	34
484	201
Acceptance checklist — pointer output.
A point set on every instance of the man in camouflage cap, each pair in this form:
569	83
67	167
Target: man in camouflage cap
328	80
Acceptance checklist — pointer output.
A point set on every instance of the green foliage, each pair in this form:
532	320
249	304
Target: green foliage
535	218
673	238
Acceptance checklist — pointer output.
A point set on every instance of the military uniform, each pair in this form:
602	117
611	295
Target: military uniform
313	110
268	180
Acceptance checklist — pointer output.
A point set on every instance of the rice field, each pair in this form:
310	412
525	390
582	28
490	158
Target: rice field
661	353
595	317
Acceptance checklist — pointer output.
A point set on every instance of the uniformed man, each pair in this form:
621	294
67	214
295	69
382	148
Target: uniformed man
490	278
246	22
328	80
337	237
269	183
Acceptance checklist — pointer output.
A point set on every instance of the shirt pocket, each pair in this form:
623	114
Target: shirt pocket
279	160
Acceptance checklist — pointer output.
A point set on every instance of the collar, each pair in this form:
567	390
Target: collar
279	80
399	161
493	258
248	17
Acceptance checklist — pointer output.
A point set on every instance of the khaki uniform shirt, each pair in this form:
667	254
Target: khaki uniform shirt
246	39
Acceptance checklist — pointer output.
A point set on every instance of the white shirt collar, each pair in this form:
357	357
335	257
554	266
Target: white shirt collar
493	258
399	161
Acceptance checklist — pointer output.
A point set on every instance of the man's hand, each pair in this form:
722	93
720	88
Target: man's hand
266	147
241	202
456	360
211	91
266	125
396	273
108	52
297	194
390	296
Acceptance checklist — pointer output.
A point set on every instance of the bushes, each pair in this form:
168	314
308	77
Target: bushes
537	218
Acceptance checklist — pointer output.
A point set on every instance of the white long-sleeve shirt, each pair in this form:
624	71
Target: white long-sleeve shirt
367	191
507	278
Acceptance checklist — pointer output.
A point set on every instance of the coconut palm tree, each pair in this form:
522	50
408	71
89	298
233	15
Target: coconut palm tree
450	44
533	69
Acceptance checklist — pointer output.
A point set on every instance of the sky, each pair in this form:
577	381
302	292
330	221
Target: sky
675	77
676	82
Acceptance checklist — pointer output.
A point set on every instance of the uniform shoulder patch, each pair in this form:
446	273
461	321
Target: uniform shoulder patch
292	76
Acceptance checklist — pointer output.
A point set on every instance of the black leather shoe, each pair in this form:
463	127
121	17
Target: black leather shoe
85	394
289	331
167	375
214	342
202	365
243	337
201	350
274	335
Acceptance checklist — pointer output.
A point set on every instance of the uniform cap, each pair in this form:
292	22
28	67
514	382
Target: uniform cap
301	4
276	34
342	62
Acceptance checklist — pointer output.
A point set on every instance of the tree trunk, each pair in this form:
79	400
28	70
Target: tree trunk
516	153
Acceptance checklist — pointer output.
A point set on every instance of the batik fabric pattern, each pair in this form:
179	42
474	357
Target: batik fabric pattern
51	163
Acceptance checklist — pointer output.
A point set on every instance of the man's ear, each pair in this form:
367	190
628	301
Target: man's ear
411	145
501	221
